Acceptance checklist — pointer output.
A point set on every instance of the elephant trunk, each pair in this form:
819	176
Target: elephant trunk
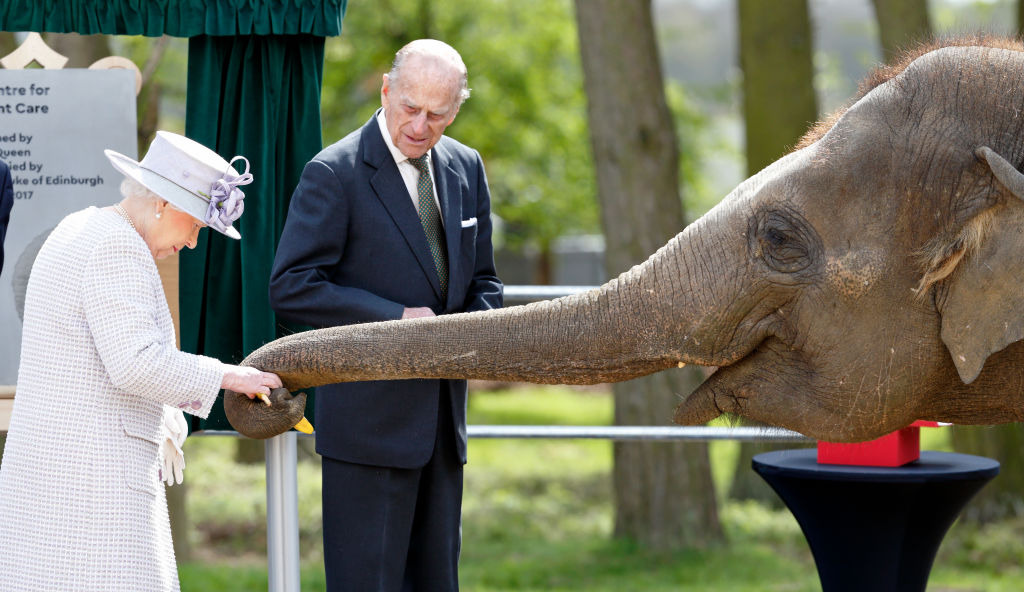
658	315
527	344
621	330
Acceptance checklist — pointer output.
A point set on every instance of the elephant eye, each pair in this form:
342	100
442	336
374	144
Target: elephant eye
782	240
776	237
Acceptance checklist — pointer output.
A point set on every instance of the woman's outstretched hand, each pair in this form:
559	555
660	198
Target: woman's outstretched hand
249	381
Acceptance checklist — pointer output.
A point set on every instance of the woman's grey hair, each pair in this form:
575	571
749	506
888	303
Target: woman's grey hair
438	50
131	188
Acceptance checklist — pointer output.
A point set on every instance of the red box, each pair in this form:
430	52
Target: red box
891	450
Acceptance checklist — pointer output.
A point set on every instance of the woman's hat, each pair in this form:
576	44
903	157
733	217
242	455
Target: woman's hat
192	177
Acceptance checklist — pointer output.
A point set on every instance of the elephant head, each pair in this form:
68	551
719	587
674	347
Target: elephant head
869	278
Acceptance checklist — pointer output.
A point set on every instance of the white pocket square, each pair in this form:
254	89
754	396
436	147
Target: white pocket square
470	222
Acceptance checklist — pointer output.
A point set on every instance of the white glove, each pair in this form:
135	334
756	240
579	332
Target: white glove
174	431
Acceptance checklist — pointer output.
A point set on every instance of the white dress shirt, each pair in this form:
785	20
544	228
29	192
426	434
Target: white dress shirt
410	174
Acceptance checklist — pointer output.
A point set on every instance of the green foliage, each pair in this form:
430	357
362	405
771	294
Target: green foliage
202	576
528	118
969	16
996	545
696	143
168	61
227	505
600	565
541	405
535	484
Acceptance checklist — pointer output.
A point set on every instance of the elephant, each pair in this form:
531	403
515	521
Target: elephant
869	278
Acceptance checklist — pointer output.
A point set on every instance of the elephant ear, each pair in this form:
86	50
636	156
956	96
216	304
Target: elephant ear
983	310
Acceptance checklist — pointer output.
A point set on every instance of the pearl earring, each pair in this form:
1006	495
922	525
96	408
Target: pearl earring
158	214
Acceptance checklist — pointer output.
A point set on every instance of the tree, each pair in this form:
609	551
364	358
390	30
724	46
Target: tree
664	494
776	57
7	43
1001	498
779	104
901	23
1020	18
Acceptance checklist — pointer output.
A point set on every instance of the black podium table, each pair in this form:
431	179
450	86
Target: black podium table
875	529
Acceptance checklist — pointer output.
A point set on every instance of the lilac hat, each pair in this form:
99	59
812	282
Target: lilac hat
192	177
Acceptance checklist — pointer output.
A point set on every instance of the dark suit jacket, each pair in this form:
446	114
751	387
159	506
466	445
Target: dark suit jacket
6	203
353	251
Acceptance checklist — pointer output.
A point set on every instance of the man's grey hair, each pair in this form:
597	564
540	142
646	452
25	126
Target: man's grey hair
437	50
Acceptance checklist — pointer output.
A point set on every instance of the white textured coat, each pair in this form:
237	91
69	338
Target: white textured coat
82	506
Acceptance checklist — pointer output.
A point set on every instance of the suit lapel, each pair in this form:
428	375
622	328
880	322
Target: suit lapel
389	188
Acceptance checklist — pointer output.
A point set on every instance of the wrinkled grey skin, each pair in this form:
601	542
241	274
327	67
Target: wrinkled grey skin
801	286
251	418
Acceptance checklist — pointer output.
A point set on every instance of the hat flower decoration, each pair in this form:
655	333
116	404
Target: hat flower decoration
226	198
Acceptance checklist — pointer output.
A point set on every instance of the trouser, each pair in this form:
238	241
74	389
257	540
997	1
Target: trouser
391	530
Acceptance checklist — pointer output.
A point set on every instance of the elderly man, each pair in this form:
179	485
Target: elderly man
392	222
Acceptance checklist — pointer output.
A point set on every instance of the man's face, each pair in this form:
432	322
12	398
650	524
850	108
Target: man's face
418	108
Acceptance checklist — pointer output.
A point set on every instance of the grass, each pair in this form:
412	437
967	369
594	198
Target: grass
537	516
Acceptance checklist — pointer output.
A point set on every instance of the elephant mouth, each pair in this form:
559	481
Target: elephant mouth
758	386
708	402
779	387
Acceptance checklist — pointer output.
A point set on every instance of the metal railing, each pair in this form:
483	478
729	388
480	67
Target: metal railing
633	433
283	574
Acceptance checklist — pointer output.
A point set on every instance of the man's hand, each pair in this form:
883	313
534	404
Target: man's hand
421	312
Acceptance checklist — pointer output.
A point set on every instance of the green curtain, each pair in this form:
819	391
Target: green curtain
258	96
178	18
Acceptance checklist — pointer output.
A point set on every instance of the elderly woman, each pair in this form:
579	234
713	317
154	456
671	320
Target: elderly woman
97	418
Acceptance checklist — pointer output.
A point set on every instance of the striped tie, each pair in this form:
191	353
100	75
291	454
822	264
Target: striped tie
431	220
